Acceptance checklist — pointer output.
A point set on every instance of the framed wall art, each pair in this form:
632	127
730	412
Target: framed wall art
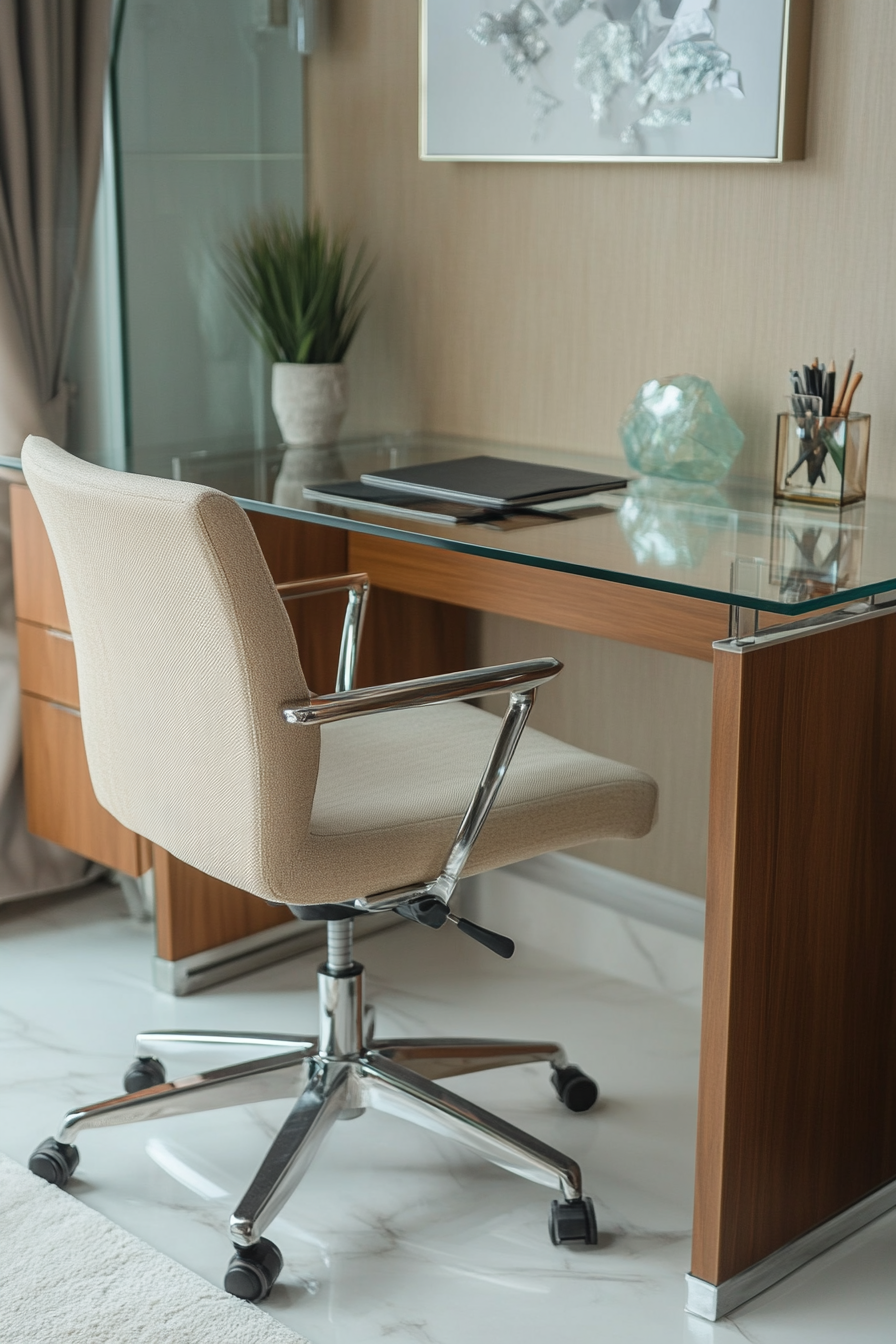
703	81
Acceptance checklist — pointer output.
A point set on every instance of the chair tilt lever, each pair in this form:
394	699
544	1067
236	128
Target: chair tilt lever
495	942
432	912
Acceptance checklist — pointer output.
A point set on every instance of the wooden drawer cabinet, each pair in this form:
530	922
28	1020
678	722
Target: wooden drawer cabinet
35	576
59	796
47	663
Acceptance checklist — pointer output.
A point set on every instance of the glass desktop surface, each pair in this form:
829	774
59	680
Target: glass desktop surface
729	543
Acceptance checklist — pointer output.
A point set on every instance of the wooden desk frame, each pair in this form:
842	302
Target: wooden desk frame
797	1105
797	1098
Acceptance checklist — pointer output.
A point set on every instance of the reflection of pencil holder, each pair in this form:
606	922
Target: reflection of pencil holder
814	555
822	459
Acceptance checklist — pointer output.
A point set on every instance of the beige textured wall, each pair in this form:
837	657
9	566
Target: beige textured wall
527	303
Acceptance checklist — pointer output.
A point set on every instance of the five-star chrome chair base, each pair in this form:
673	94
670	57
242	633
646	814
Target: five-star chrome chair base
337	1075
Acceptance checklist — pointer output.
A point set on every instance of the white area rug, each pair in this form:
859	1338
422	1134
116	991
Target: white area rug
69	1276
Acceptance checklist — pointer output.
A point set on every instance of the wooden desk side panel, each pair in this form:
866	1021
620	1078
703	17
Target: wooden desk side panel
407	636
295	550
654	620
404	635
195	912
797	1112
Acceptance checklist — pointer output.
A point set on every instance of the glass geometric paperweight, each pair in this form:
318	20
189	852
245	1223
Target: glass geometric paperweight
678	428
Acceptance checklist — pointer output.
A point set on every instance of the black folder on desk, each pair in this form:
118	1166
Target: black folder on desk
400	503
492	482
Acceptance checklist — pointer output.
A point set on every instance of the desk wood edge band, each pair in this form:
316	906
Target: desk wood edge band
669	622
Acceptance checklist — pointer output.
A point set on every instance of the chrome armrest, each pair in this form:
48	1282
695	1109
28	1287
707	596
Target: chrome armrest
428	902
469	685
358	587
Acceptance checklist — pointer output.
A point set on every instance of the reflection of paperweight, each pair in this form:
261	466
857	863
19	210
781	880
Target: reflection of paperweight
660	527
305	466
678	428
813	554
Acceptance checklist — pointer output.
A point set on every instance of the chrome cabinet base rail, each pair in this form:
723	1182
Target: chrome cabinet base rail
214	964
712	1301
188	975
338	1075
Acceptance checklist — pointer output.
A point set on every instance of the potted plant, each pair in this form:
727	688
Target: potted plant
300	297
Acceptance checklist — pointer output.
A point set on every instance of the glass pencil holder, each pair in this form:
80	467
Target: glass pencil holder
822	459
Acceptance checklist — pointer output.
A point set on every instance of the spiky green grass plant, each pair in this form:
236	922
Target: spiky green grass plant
295	289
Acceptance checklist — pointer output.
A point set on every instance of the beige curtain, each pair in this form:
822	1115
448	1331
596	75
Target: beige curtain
53	60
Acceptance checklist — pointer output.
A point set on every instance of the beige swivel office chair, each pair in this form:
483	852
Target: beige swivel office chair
202	735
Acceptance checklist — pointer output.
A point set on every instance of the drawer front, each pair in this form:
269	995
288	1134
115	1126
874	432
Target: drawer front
36	578
59	795
47	663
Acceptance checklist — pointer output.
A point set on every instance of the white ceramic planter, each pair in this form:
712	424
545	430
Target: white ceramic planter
309	401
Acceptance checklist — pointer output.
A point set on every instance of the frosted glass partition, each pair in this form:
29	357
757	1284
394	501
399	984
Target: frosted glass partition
208	103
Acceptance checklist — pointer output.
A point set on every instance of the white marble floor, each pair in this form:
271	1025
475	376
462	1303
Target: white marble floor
395	1234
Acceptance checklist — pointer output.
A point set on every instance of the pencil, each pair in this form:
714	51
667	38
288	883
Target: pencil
843	410
844	385
830	379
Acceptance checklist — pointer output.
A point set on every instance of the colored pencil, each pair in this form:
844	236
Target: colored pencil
843	409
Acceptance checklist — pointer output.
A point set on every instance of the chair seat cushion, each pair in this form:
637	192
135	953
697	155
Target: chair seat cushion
392	789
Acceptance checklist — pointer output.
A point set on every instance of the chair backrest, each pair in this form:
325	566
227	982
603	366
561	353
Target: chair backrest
185	656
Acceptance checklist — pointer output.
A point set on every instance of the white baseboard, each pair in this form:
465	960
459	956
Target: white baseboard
600	919
632	896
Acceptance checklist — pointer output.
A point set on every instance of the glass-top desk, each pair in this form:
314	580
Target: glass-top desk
797	1109
729	545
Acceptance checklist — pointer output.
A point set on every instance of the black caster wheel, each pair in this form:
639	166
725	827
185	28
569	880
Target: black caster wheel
54	1162
144	1072
575	1089
573	1222
253	1270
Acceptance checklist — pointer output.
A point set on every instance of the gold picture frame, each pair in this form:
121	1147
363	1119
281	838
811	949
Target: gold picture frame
454	101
